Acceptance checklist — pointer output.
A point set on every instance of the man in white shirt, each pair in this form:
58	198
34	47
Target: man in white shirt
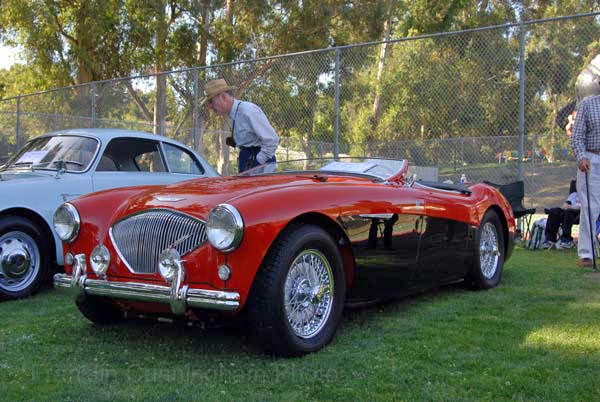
251	131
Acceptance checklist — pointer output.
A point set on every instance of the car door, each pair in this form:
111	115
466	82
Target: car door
443	250
445	244
385	252
136	161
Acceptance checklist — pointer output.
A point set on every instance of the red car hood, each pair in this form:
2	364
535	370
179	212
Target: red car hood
198	197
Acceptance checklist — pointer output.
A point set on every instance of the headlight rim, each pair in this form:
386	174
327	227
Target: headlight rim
238	223
76	222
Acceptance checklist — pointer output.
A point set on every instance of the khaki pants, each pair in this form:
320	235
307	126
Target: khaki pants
584	245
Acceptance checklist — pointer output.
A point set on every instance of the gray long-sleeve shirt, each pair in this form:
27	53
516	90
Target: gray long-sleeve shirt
251	128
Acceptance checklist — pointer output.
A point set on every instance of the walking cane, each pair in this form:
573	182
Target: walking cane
592	231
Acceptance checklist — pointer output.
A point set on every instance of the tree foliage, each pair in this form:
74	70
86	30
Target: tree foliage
438	87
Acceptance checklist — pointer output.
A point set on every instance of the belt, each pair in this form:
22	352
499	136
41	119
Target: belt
592	151
250	148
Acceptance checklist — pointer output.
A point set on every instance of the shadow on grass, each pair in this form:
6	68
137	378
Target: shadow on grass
533	338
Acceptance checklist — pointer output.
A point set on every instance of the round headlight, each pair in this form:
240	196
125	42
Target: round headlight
100	259
169	262
67	222
225	227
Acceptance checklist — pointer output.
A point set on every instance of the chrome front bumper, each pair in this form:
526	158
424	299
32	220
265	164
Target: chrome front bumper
178	296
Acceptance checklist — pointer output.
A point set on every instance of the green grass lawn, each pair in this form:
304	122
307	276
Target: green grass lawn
534	338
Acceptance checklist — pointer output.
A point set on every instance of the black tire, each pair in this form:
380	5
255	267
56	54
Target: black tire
25	258
99	311
278	329
489	253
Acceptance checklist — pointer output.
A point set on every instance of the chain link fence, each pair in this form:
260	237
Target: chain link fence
481	102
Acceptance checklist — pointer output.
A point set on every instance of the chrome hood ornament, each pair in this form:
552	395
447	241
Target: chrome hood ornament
164	198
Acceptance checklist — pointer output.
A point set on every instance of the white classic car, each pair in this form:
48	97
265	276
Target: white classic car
62	165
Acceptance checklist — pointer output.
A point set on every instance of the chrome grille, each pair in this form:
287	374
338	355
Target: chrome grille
140	238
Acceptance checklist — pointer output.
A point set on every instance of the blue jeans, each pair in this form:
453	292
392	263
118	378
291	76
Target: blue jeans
247	158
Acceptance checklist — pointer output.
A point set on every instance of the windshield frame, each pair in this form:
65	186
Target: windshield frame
356	167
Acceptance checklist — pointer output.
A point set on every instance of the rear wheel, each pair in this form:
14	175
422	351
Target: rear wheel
489	253
24	257
297	297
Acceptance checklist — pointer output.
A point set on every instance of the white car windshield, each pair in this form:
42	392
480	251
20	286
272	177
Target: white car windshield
71	153
378	169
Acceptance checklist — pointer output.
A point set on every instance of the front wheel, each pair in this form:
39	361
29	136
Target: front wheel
24	258
298	295
489	253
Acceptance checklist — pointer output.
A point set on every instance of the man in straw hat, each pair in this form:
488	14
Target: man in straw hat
251	131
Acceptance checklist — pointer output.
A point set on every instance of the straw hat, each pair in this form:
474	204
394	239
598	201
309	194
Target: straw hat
215	87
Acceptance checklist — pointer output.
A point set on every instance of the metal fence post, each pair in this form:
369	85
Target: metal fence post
336	122
195	112
521	97
94	122
18	128
533	148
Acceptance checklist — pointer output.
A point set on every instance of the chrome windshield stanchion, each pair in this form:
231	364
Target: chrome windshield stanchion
178	291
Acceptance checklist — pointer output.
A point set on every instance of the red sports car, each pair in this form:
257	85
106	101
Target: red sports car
282	246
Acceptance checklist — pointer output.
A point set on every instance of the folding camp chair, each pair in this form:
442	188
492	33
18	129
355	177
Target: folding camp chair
514	194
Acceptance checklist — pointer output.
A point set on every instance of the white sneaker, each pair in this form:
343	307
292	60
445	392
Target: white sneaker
547	244
566	244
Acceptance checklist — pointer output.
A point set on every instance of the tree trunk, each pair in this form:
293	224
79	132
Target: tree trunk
85	73
383	53
82	44
309	135
224	165
160	101
223	147
203	11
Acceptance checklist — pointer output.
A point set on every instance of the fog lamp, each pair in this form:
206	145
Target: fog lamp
169	262
224	272
100	260
69	259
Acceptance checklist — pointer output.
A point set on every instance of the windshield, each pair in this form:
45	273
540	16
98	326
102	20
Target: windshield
379	169
72	153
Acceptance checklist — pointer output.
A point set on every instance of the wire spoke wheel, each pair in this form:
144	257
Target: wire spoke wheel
489	252
308	293
297	298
